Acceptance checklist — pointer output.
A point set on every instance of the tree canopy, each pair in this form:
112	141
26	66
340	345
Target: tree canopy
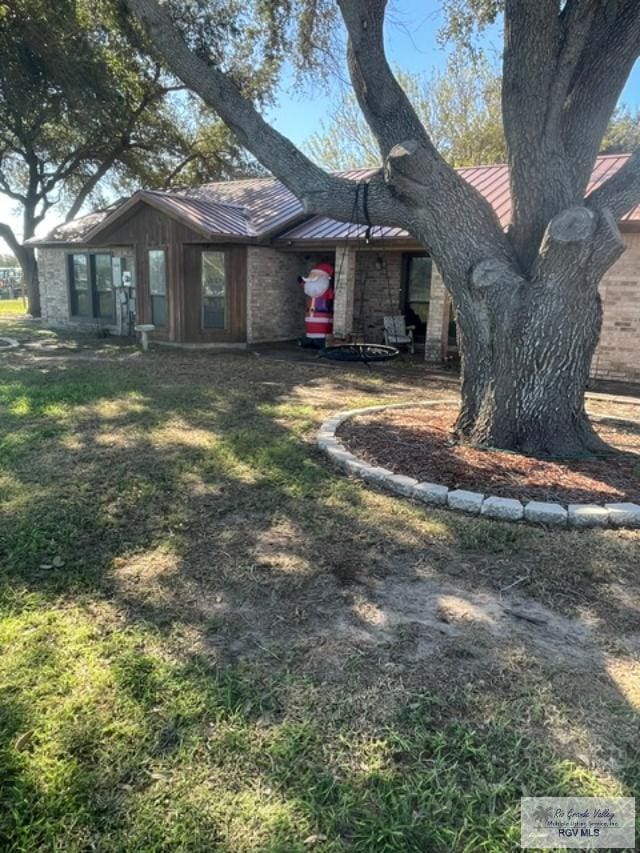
85	108
460	107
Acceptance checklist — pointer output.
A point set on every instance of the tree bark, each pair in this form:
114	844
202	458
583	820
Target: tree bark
31	279
528	395
528	343
26	257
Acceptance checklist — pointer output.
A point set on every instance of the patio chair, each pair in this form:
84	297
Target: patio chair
396	332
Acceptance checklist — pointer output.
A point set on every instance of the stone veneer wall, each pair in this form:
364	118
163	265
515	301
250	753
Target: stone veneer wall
275	302
618	353
376	296
54	288
344	287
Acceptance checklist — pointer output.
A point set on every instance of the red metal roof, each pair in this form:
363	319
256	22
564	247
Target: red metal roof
257	208
491	181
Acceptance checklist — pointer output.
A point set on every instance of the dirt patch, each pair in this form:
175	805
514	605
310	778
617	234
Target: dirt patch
419	443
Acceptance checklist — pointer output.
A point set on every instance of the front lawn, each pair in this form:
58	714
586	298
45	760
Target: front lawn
213	641
13	307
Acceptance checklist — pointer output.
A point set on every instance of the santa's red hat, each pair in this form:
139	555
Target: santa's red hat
325	268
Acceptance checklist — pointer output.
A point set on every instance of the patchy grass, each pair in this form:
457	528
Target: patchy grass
211	640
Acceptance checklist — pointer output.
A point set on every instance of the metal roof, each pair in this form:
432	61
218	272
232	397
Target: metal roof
257	208
268	202
77	229
491	181
245	209
211	219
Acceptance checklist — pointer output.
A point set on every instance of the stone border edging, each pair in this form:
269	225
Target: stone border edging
615	515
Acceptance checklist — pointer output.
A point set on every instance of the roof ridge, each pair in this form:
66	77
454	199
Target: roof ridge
228	181
183	194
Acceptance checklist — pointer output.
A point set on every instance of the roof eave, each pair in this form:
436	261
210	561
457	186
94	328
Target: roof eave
396	243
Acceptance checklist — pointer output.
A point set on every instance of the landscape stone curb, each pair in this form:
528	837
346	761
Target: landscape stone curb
508	509
547	513
466	501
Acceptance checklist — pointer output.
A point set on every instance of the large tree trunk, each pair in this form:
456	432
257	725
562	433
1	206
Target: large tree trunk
529	394
29	266
527	344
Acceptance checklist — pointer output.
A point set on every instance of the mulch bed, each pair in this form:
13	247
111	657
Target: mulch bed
418	443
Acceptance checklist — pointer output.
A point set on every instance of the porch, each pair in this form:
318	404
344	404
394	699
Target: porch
370	283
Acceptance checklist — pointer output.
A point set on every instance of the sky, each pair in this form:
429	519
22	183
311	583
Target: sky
411	44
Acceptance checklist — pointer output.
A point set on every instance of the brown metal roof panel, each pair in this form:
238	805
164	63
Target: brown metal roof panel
605	167
269	202
322	228
211	219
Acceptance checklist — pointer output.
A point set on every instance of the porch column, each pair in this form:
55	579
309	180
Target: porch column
344	286
437	321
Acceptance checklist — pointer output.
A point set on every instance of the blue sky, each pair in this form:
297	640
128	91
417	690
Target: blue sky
412	31
411	44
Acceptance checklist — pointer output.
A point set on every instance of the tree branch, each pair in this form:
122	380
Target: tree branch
417	185
575	23
385	105
5	189
8	235
532	104
532	46
611	48
173	174
87	188
318	191
621	193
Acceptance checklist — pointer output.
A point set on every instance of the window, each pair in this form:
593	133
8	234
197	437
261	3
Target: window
214	290
158	286
80	288
103	287
91	286
418	291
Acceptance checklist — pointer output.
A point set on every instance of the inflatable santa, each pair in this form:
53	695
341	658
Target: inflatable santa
318	321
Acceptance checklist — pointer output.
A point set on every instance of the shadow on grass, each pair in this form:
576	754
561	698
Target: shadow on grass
209	553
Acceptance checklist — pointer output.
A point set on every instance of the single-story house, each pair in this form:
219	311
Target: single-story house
217	265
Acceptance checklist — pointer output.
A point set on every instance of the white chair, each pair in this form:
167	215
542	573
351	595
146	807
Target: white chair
397	332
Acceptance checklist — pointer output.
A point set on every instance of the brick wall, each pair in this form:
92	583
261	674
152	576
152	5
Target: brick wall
275	302
375	295
618	353
54	288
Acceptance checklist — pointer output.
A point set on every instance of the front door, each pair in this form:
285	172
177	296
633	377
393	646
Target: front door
214	294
